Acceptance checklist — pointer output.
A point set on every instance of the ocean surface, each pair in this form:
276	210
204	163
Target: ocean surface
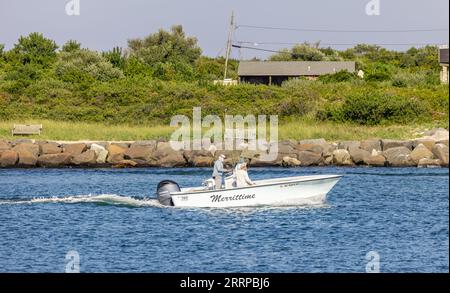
108	221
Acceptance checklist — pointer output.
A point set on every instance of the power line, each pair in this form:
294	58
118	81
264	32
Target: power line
342	31
265	50
337	44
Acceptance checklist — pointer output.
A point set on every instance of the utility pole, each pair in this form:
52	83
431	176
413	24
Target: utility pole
229	44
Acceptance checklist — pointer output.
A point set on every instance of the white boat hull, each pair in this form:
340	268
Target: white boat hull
293	191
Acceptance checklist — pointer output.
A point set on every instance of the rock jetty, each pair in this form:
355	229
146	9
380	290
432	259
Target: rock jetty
430	151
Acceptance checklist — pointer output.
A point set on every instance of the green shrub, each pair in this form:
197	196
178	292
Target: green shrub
340	76
372	109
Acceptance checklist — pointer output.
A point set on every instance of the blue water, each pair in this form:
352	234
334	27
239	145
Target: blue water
109	218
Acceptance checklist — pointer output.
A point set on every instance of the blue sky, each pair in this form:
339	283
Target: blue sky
103	24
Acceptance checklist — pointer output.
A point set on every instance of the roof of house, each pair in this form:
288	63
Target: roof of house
293	68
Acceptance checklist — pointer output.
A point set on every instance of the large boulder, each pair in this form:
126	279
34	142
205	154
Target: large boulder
54	160
165	156
429	143
125	164
100	152
199	158
429	163
370	145
421	152
27	159
9	158
116	153
290	162
391	143
375	160
308	158
287	147
88	158
141	151
345	145
28	147
437	134
440	151
315	148
358	155
74	149
341	157
48	148
399	157
4	146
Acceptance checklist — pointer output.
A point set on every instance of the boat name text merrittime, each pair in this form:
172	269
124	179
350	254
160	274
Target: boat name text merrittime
220	198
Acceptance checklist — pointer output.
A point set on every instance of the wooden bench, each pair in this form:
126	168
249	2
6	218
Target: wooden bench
21	129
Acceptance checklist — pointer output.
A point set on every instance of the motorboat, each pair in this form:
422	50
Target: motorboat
289	191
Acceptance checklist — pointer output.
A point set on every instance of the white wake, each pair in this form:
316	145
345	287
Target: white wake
106	199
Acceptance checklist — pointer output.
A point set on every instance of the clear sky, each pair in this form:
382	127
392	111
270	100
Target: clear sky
103	24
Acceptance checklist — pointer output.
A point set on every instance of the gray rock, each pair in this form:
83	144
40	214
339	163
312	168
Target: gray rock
4	146
54	160
440	151
315	148
345	145
390	143
199	158
88	158
28	147
429	163
9	158
421	152
445	141
287	147
116	153
429	143
341	157
370	145
164	155
100	152
308	158
399	157
27	159
48	148
74	149
290	162
358	155
125	164
375	161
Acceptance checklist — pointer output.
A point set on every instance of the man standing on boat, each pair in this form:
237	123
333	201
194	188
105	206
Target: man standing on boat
218	171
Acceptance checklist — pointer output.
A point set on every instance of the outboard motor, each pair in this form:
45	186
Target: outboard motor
164	189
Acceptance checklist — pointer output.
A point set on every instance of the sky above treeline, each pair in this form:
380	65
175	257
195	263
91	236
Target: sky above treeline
104	24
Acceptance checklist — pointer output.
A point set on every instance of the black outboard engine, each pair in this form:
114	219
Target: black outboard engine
164	189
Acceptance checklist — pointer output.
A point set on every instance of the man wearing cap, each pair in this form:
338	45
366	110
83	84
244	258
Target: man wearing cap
218	171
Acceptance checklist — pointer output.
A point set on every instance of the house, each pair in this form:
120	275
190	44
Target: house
443	60
276	72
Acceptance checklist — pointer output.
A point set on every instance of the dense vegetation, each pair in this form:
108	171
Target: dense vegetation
165	74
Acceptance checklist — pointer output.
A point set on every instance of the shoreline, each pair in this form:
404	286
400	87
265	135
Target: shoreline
429	151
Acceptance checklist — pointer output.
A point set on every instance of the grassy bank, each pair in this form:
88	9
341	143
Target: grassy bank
74	131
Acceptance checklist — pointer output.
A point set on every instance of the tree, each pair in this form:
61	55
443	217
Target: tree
301	52
115	56
165	46
34	48
83	66
71	46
